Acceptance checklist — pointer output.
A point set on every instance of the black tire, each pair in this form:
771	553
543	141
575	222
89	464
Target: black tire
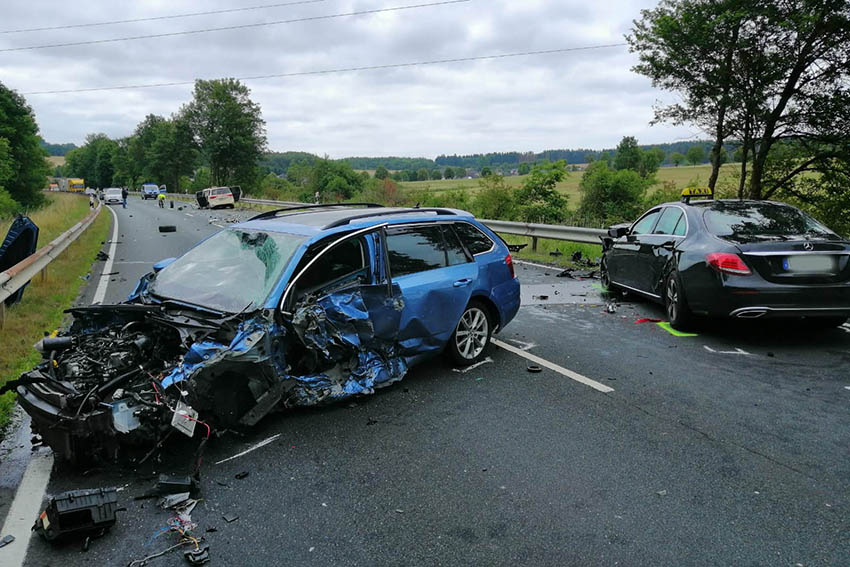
167	228
675	304
471	338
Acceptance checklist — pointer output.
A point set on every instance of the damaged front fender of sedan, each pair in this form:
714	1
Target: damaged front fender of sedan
125	376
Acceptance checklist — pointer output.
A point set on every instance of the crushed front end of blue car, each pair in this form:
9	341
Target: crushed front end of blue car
124	377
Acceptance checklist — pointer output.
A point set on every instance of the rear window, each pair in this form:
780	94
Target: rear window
476	241
222	191
747	222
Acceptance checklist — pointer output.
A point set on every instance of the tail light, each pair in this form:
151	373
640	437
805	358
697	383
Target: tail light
727	263
509	262
213	196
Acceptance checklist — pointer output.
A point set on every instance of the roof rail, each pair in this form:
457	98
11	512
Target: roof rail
273	213
343	222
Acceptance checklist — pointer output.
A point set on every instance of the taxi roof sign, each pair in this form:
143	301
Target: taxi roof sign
689	192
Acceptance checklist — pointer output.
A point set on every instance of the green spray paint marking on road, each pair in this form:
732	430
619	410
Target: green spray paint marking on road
599	287
666	326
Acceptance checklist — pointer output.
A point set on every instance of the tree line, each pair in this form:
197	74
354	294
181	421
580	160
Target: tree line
774	76
217	138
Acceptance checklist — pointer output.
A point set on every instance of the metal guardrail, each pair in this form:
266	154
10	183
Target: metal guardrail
18	275
550	231
532	230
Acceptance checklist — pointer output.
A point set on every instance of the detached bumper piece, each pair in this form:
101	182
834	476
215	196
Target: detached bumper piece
77	514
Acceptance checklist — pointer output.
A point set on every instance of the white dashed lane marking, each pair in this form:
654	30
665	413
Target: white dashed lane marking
552	366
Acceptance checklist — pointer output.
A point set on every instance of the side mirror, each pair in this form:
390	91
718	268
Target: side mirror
617	231
162	264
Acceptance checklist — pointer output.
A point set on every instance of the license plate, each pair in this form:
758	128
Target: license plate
809	263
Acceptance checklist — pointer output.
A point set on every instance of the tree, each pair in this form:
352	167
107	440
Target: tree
460	173
172	153
29	168
486	171
629	155
229	130
436	175
334	180
422	174
538	199
381	172
763	72
677	159
696	155
524	168
609	195
494	200
449	173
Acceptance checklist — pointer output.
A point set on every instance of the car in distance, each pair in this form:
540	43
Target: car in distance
731	258
112	196
291	308
149	191
216	197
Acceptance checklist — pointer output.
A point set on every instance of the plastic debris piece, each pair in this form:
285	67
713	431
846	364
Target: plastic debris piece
662	493
197	555
610	308
533	368
647	320
230	518
78	513
101	256
167	228
173	500
241	475
7	540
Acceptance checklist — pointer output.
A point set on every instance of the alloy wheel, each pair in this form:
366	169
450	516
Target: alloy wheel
472	333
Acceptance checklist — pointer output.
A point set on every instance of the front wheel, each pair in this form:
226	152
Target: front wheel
472	335
678	313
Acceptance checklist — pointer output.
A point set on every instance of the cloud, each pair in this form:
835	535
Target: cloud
576	99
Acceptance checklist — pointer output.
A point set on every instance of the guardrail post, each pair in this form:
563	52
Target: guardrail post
42	275
534	244
2	313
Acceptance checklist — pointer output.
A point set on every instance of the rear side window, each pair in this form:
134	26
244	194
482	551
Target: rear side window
455	253
668	221
644	225
476	241
416	249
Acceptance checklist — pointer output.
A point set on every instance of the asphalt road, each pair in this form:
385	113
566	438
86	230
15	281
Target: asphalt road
725	448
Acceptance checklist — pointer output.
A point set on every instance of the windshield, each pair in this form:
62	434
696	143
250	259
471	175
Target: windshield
744	221
233	270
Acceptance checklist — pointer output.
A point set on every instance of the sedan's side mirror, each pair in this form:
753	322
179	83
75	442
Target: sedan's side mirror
162	264
617	231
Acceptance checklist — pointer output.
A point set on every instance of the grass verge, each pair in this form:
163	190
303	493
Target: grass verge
545	247
45	300
61	212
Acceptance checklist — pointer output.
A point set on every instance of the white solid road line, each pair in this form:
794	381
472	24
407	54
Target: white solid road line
27	502
552	366
100	292
26	507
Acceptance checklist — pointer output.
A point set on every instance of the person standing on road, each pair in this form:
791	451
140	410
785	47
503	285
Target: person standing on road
124	194
161	200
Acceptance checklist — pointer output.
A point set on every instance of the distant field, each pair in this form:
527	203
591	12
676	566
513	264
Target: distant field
682	176
56	160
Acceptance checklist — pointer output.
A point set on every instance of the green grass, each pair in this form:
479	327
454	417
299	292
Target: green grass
681	176
45	299
62	211
545	246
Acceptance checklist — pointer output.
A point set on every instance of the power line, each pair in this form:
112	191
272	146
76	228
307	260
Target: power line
342	69
155	18
239	27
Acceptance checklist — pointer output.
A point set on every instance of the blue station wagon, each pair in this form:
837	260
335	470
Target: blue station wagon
294	307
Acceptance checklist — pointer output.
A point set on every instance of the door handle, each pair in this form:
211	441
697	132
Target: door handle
669	245
463	282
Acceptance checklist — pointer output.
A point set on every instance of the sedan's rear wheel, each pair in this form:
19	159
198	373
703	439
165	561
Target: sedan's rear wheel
472	335
678	313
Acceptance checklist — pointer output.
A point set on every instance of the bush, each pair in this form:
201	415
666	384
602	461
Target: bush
610	196
495	200
8	206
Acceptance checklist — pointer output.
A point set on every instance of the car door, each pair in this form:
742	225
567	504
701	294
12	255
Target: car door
627	269
655	250
436	277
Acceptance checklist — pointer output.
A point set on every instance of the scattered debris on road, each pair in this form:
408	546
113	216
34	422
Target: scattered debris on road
6	540
167	228
78	513
101	256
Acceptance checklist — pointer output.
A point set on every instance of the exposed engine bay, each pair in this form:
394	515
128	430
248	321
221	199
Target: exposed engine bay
125	377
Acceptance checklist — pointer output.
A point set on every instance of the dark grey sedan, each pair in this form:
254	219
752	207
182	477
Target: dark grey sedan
731	258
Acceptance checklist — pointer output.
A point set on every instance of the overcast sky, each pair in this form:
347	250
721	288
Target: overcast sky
583	99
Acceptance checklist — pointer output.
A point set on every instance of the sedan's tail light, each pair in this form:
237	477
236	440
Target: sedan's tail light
727	263
509	262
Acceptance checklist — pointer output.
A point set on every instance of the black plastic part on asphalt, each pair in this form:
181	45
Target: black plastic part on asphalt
78	513
167	228
198	555
533	368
